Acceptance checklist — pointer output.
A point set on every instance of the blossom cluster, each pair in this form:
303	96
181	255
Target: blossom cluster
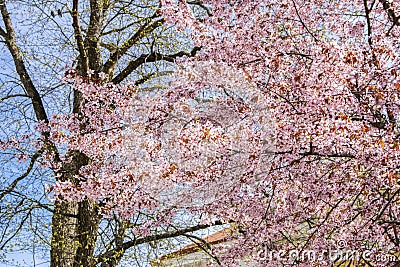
330	80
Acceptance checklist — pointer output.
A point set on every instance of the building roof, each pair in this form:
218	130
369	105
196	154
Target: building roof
215	238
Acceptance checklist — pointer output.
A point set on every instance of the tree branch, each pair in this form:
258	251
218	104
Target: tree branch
118	29
109	66
25	174
24	219
12	46
334	155
200	4
119	249
78	37
302	22
12	96
97	12
392	15
153	57
204	246
149	76
369	27
3	33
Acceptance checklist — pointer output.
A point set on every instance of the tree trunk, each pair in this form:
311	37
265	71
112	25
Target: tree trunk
88	223
70	221
64	226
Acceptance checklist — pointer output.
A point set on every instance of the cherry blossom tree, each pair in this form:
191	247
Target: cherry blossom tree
283	122
328	71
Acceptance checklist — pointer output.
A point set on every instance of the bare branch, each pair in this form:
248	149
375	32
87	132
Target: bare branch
78	37
203	245
25	174
151	76
12	46
118	29
97	12
302	22
201	4
112	253
153	57
3	33
334	155
12	96
120	51
390	11
17	230
367	12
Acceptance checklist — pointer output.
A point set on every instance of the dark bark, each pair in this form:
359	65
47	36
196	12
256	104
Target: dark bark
67	218
393	17
11	42
88	222
64	231
153	57
144	30
109	257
